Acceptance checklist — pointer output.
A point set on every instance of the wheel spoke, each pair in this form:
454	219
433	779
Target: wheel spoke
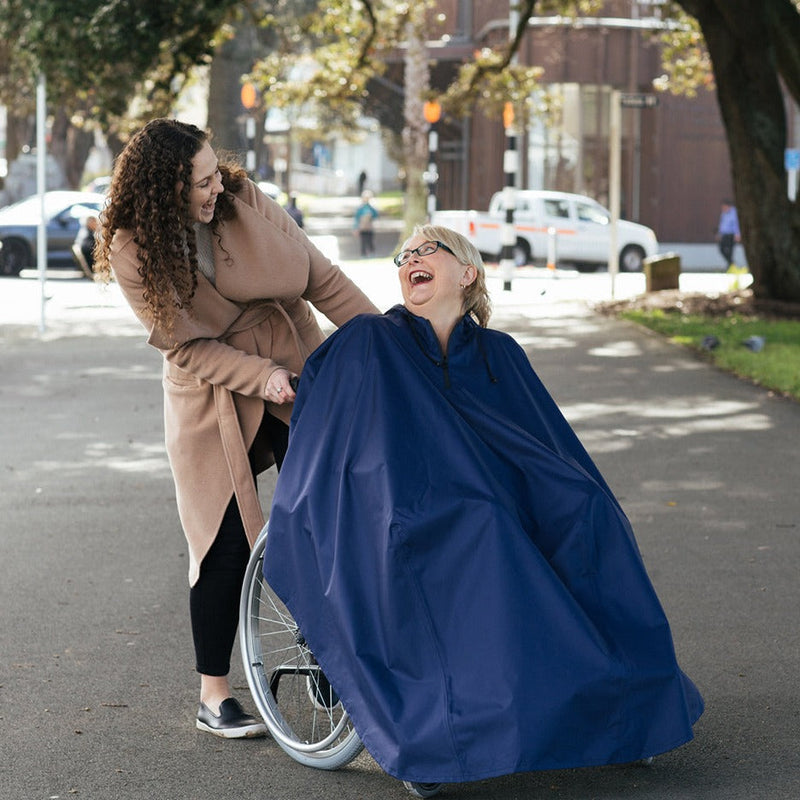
301	709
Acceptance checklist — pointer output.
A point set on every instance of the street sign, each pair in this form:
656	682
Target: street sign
791	162
636	100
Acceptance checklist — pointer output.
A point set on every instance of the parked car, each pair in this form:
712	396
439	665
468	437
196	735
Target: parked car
19	223
582	228
99	184
270	189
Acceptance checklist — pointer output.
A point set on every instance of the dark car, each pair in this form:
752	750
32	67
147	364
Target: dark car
63	211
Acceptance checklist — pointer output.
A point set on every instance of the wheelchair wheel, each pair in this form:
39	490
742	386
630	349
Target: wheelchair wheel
300	708
423	789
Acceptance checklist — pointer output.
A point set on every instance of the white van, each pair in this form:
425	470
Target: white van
581	228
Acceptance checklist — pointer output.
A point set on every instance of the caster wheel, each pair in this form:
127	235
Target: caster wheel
422	789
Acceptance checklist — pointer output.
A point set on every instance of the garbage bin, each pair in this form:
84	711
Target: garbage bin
662	271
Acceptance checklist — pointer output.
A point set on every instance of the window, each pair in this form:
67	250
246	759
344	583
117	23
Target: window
556	208
591	213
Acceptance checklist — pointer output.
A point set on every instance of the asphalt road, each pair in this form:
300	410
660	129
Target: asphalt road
97	689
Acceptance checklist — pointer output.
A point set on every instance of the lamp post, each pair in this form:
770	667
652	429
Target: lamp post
432	112
509	235
41	187
614	139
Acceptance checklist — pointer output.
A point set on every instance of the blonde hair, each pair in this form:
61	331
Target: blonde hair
476	295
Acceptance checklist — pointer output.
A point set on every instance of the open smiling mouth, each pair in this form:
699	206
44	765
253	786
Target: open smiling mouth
419	276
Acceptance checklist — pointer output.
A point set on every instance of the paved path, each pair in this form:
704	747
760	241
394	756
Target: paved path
97	690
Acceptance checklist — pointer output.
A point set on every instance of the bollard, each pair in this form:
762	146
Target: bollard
662	271
551	248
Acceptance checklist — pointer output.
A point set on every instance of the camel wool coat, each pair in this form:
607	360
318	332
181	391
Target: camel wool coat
220	353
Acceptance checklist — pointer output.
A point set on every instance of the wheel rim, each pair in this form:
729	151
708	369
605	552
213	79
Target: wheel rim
286	682
632	259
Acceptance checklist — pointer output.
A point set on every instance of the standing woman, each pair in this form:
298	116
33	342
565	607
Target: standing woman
221	278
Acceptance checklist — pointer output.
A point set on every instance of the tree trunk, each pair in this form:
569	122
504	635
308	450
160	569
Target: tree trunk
20	131
226	115
70	146
415	132
739	41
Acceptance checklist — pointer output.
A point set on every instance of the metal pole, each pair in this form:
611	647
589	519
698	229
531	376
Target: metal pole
614	141
509	234
250	132
510	168
41	185
552	249
432	173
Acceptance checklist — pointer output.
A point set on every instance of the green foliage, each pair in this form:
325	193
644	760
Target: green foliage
96	56
686	63
776	367
331	56
685	59
328	58
489	82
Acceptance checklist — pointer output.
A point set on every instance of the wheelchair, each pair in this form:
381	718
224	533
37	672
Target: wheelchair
299	706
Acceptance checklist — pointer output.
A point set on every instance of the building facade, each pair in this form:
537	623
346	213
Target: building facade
675	167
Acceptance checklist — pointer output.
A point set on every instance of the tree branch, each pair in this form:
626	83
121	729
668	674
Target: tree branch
363	56
783	21
512	48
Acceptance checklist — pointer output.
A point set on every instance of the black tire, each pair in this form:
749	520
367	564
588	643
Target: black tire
423	789
521	253
631	259
15	255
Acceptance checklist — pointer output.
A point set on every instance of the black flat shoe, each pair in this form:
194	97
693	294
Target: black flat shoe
232	722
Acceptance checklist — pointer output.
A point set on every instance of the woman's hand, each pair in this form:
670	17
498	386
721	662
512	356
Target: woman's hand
279	387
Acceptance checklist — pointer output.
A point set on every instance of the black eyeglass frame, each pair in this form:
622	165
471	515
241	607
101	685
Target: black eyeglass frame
399	261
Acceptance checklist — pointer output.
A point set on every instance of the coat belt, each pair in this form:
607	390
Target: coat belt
233	444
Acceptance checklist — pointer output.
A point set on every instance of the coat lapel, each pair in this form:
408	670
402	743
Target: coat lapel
256	259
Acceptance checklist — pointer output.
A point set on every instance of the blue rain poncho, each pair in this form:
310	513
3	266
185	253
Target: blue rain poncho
462	572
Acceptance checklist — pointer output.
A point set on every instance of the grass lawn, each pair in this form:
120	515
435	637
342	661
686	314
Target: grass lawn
776	366
390	204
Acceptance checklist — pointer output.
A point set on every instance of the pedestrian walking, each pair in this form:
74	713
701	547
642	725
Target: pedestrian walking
293	211
222	280
365	216
728	233
83	246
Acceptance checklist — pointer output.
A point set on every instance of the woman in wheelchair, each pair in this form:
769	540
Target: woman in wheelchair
457	564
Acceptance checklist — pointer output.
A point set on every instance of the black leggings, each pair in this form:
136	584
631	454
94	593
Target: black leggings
214	599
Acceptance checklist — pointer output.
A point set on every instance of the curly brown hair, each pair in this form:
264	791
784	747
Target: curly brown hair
149	196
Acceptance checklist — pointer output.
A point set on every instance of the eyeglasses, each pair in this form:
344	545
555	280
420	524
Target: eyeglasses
425	249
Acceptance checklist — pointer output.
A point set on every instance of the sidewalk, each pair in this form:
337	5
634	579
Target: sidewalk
97	689
77	307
